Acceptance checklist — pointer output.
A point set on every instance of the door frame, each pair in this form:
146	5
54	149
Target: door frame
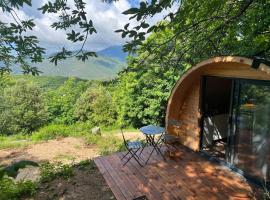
202	111
235	95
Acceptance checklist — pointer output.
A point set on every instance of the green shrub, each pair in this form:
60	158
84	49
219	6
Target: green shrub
91	139
45	133
96	105
50	171
80	129
60	101
50	132
86	164
60	130
14	141
106	144
109	145
22	109
11	190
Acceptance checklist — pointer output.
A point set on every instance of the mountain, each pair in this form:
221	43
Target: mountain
106	66
114	52
100	68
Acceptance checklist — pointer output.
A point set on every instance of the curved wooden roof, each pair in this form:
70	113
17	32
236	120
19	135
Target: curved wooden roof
228	66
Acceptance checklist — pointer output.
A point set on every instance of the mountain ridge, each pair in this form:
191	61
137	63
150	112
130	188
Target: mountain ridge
114	52
109	62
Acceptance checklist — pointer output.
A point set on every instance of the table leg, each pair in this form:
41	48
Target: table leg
151	141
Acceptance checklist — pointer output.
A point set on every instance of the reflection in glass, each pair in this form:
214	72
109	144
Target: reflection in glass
252	138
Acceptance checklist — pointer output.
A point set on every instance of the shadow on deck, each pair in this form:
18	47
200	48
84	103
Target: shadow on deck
186	176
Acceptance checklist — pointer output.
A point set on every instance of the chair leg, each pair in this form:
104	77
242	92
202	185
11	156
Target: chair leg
124	155
127	160
141	151
150	155
133	155
137	157
138	162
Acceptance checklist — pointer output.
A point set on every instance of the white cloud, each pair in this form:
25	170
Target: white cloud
106	18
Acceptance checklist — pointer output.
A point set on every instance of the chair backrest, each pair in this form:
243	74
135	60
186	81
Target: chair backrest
124	139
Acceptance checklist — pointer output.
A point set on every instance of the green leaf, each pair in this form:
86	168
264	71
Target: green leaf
152	28
131	11
119	31
126	26
144	25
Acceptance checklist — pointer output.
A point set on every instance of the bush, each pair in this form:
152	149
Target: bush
50	132
14	141
106	144
22	109
60	101
12	190
61	130
96	106
49	171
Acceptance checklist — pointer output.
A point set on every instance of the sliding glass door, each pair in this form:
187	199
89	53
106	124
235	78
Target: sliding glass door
236	123
250	145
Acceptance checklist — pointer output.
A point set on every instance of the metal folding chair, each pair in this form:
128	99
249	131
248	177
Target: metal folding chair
170	141
132	148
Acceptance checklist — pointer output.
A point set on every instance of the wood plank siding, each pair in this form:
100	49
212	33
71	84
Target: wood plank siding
184	101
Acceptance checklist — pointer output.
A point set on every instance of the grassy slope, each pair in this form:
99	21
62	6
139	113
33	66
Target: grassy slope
43	82
109	141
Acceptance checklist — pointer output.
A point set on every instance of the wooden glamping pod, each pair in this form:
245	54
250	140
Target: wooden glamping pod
221	107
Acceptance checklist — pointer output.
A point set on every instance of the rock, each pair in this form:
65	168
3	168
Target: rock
96	130
30	173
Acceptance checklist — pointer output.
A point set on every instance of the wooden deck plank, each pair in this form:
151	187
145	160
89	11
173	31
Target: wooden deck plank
188	176
117	179
152	187
207	173
177	177
165	181
215	177
129	180
109	180
170	177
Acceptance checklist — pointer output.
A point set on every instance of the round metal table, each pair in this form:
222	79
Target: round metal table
150	132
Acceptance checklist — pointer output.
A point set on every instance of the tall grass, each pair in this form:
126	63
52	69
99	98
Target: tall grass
12	190
106	144
14	141
43	134
59	130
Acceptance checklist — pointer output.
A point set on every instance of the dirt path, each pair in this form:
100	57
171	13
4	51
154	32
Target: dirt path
65	150
86	183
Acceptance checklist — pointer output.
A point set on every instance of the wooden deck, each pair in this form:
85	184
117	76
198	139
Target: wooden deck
185	177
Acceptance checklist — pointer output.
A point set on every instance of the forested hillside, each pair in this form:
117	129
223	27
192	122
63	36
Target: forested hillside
100	68
139	94
136	97
77	92
44	82
109	62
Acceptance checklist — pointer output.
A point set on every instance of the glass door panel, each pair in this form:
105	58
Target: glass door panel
252	133
216	112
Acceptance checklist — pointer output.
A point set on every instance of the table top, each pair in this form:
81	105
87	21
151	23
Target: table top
152	130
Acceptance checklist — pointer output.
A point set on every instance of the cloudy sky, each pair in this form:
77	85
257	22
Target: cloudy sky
106	17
